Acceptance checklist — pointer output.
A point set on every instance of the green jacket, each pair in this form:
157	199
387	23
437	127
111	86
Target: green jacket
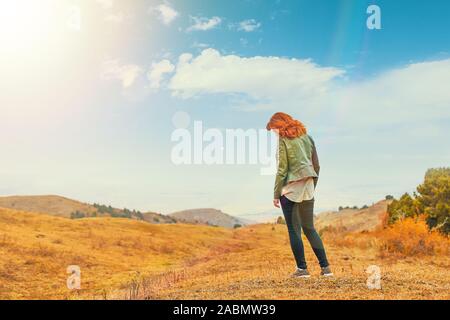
297	159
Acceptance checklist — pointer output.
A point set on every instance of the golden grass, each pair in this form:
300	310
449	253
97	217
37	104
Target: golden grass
263	273
37	249
126	259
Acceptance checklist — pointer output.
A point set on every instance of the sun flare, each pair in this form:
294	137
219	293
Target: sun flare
25	24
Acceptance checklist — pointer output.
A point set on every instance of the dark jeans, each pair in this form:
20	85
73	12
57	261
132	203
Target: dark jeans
300	216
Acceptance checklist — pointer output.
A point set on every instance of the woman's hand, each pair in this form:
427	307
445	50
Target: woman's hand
276	202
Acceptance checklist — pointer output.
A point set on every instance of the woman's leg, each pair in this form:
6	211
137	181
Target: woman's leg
294	230
306	215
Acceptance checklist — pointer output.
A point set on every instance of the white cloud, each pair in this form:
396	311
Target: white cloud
157	72
413	93
166	13
126	74
107	4
258	77
416	92
204	24
249	25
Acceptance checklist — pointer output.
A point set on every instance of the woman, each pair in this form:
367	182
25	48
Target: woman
297	176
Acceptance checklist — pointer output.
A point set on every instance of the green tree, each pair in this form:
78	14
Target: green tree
434	198
405	207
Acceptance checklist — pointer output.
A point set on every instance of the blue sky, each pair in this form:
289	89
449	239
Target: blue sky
87	106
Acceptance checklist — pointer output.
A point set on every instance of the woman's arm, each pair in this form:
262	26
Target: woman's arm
315	161
282	169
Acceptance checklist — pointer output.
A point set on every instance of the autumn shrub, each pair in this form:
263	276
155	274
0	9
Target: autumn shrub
412	237
406	238
432	200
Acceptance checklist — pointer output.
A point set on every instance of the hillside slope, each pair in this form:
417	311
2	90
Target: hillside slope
65	207
210	217
354	220
37	250
49	204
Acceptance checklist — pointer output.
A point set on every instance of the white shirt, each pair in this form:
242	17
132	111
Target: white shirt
299	191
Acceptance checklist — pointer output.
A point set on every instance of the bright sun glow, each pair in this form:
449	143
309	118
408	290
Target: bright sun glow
25	24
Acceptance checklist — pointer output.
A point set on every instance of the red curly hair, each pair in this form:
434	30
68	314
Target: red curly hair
286	126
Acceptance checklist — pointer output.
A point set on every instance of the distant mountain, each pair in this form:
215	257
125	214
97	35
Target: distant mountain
211	217
354	220
350	219
68	208
262	217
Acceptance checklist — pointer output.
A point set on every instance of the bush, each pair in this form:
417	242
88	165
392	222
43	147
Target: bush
406	207
411	237
405	238
77	215
281	220
432	200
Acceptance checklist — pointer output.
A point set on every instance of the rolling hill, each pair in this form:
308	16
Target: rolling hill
262	217
210	217
67	208
49	204
367	219
354	220
38	248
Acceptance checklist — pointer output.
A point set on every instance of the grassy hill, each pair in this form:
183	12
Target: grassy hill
210	217
67	208
38	249
124	258
50	204
354	220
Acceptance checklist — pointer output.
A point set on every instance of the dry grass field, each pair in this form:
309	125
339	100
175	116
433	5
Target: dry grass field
125	259
36	250
262	272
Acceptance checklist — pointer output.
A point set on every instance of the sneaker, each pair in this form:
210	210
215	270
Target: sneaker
326	272
301	273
